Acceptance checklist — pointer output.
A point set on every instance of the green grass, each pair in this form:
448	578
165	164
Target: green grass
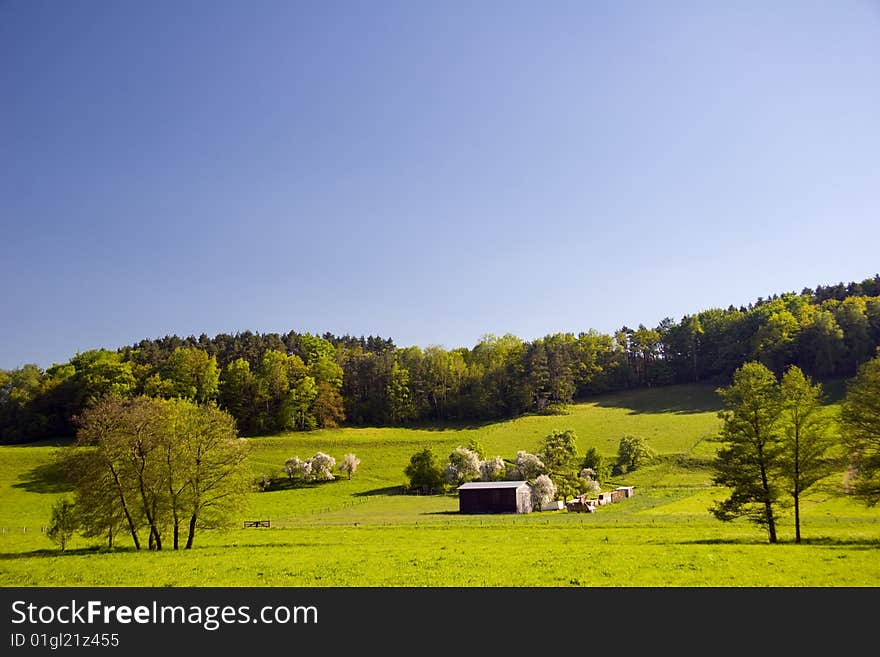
365	532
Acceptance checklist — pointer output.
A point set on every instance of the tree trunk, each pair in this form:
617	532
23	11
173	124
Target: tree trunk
176	532
192	532
155	540
768	508
797	482
765	487
128	518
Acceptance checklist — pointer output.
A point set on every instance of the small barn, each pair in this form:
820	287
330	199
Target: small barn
495	497
627	490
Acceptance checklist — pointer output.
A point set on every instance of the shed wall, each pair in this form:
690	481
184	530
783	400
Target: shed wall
495	500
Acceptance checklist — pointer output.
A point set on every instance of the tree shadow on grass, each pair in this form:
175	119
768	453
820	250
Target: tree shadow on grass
46	478
387	490
858	543
284	483
49	552
452	425
664	400
47	442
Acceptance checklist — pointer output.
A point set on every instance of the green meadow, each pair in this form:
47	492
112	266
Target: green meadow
368	532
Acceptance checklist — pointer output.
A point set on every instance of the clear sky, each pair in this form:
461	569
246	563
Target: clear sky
426	171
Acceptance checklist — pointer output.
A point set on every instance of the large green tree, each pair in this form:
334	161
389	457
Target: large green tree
206	466
632	453
400	405
749	461
238	390
806	438
162	464
424	472
190	373
559	452
860	429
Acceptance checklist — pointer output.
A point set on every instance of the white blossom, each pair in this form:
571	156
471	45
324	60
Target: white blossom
349	464
492	469
321	467
528	466
295	468
543	490
463	466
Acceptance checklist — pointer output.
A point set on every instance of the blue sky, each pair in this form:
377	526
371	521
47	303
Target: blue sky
426	171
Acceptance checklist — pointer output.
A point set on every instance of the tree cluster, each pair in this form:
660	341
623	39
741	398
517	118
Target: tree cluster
557	466
160	468
273	382
317	468
775	445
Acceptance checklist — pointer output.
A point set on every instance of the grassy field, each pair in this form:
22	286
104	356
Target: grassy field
366	532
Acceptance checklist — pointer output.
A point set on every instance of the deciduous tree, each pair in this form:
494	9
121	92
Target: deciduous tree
349	464
860	429
806	437
424	473
543	490
528	466
169	462
749	462
632	452
463	466
62	524
559	452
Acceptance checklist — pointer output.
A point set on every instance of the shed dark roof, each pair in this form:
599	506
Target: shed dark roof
491	484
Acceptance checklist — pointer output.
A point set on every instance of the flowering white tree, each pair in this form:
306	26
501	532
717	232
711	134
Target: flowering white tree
528	466
297	469
463	466
592	487
492	469
543	490
349	464
318	468
322	467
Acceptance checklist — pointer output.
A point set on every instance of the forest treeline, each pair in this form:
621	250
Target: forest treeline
271	382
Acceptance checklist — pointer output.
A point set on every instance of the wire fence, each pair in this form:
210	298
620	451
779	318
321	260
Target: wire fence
487	522
22	530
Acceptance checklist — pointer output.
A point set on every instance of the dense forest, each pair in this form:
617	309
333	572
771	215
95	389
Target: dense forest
272	382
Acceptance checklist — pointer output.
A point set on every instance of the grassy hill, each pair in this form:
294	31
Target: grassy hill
366	532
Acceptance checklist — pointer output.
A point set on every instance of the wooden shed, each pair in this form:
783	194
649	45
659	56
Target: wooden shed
581	505
627	490
495	497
